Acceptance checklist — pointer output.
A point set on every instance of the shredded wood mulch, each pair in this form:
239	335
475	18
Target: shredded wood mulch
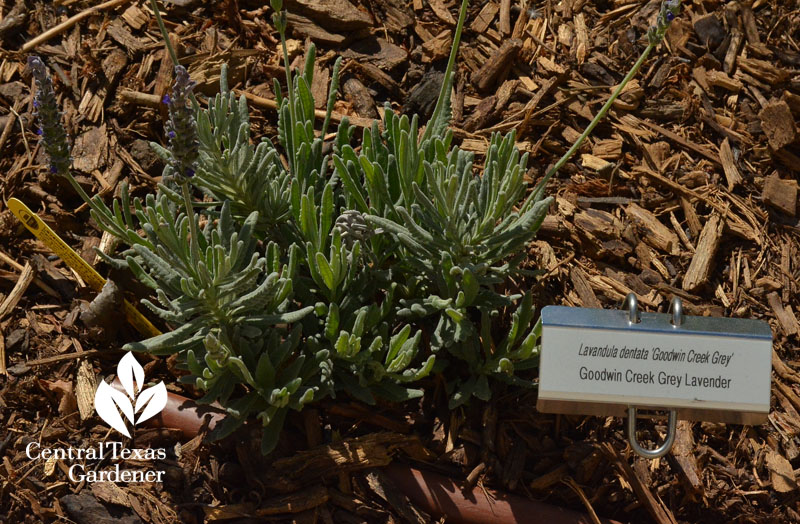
688	189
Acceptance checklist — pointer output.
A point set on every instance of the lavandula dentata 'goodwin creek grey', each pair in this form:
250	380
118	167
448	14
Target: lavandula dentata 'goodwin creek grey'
54	138
184	145
182	127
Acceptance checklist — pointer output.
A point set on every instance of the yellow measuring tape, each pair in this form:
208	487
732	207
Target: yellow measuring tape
49	237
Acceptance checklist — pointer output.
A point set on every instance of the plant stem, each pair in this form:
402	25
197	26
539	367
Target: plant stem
187	196
195	242
167	43
77	187
600	115
94	206
292	157
447	84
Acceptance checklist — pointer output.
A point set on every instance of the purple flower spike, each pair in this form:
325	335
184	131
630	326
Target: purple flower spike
181	126
166	100
670	17
54	137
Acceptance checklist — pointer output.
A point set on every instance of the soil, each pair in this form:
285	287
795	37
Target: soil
689	188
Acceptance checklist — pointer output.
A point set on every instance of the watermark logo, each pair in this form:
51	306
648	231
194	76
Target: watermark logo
109	402
137	404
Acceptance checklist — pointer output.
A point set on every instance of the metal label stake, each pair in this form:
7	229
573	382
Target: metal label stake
632	305
618	362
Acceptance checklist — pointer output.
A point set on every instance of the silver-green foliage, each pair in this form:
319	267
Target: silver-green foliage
459	236
362	271
232	309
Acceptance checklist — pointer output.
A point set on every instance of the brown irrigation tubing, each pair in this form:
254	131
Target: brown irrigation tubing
436	494
442	496
184	414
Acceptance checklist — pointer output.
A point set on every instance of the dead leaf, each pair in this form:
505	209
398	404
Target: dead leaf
67	403
781	473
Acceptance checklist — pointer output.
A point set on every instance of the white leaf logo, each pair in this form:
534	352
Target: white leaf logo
109	401
106	400
130	374
153	400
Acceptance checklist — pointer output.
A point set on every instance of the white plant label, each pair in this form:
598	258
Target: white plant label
109	402
596	362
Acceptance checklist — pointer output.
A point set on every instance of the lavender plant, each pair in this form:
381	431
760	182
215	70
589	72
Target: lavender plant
361	272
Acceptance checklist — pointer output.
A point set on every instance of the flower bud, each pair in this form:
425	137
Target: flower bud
352	226
669	10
